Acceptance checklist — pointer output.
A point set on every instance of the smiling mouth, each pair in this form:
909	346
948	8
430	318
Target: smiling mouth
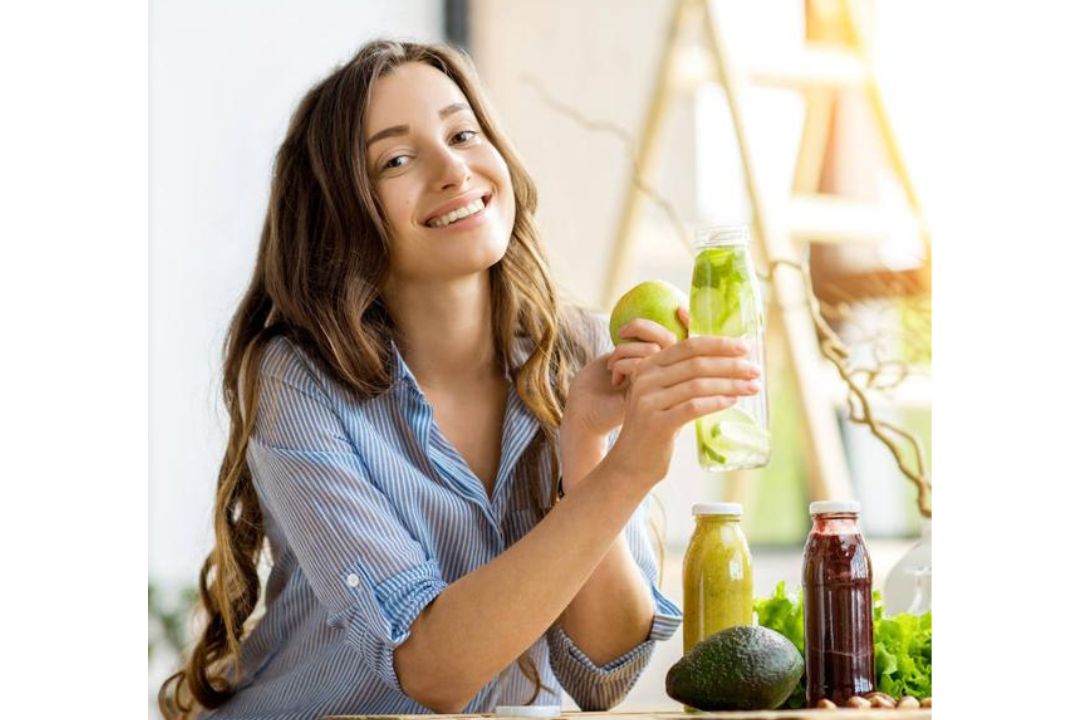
460	214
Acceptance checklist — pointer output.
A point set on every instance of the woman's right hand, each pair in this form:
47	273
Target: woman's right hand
668	389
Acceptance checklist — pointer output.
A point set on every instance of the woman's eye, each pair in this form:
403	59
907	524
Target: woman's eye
395	162
464	136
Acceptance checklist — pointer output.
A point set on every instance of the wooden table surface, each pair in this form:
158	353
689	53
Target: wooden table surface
839	714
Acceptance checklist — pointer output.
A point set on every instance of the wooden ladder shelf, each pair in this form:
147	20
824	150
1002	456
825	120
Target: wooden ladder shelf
834	59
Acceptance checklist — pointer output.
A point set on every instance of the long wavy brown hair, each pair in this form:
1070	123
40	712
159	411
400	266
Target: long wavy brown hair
322	262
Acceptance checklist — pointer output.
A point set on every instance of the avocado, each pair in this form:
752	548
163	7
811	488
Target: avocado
746	667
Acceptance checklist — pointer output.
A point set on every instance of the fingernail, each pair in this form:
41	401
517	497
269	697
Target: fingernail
753	386
752	370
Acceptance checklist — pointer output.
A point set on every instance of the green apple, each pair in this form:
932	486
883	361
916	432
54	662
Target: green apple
654	300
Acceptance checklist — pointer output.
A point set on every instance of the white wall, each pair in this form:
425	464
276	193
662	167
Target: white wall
224	78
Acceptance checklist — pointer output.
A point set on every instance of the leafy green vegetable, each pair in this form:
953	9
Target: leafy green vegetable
902	644
902	654
784	614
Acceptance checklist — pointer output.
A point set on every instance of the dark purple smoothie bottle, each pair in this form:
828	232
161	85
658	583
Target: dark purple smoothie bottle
839	612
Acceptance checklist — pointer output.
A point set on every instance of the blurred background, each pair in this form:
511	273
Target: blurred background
574	84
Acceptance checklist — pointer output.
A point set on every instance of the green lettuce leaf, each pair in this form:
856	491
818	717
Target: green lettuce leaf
784	614
903	654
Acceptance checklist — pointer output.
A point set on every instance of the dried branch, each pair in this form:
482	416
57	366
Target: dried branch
859	408
630	144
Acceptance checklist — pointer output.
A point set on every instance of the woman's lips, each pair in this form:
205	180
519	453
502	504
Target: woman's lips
471	221
455	206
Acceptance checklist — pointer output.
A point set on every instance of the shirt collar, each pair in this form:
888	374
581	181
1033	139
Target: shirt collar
399	371
519	427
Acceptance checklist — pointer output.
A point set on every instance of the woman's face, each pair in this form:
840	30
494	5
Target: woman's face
445	190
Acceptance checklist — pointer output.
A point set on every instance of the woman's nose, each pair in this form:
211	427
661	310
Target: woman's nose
452	170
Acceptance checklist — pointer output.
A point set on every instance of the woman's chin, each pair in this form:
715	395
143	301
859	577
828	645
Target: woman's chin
487	259
463	263
478	252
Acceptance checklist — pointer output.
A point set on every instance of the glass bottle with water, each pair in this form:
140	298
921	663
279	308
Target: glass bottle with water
725	299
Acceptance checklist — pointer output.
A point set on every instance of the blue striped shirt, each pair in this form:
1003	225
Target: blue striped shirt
370	513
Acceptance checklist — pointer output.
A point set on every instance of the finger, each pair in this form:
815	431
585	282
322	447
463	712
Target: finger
702	345
632	349
701	366
625	368
705	387
684	317
698	407
647	331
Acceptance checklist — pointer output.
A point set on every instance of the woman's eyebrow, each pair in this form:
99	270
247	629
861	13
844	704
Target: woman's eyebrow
451	109
396	130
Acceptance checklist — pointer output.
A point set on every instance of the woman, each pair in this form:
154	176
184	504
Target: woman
420	430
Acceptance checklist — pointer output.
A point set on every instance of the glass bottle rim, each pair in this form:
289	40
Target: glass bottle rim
721	236
717	510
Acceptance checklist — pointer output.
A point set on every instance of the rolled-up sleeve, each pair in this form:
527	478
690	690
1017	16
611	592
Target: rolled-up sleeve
363	565
602	687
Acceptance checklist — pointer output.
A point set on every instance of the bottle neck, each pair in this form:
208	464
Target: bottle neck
718	519
835	523
721	236
699	245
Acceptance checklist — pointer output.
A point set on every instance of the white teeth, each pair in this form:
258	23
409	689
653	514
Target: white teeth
471	209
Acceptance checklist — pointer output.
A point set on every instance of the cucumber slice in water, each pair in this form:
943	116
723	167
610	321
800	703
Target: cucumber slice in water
732	431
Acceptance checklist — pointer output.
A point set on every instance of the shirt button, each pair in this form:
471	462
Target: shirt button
353	580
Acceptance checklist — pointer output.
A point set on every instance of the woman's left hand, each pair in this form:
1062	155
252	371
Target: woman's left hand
595	403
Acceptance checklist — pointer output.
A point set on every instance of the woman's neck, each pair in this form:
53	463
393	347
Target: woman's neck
446	330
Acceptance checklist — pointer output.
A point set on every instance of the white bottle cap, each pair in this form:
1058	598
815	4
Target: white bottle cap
834	506
717	509
528	711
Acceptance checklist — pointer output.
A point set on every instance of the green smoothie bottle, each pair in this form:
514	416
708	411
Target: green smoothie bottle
718	579
725	300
